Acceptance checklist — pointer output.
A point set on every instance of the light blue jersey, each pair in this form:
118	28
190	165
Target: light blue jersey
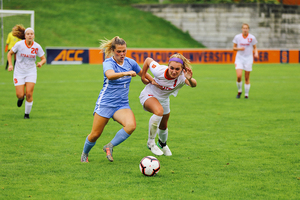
115	92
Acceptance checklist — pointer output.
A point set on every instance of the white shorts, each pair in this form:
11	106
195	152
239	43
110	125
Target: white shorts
246	67
165	103
22	79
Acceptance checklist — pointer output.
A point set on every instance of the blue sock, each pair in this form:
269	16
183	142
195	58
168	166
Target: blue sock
120	137
88	145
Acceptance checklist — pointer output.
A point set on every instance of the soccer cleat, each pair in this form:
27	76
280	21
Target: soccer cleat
246	97
20	102
164	147
238	95
26	116
84	157
109	151
154	149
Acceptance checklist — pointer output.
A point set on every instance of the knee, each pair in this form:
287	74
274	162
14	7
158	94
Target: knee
130	127
159	111
20	96
239	79
28	96
93	136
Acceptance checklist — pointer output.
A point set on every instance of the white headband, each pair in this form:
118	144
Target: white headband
28	29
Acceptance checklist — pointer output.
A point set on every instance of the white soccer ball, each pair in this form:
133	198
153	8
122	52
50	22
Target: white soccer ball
149	166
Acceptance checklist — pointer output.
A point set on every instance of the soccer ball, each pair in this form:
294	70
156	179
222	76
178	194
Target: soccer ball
149	166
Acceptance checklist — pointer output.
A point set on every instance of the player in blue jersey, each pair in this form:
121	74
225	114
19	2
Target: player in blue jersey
113	101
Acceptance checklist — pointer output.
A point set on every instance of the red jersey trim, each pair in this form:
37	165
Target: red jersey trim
27	45
165	75
246	36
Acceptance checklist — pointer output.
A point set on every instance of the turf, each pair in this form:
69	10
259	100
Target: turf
223	147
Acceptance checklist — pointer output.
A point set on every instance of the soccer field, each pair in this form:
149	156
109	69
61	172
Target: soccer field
223	147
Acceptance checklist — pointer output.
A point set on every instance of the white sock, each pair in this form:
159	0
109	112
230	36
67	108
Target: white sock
239	86
28	106
247	88
163	135
152	130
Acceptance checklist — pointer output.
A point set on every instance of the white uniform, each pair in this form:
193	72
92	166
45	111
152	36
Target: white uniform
244	59
166	88
25	67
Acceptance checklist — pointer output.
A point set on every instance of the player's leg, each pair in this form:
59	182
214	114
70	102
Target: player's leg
239	83
153	105
6	65
163	135
29	86
247	83
90	141
19	82
126	118
20	94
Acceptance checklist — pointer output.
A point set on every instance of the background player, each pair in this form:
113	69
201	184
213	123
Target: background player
244	43
113	98
25	73
10	42
155	97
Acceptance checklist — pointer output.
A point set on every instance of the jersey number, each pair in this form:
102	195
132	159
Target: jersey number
34	50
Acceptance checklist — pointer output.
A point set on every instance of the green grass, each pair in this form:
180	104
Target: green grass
83	23
223	148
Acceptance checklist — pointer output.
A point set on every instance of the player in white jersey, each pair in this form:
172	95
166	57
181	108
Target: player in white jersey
244	43
25	72
113	98
155	97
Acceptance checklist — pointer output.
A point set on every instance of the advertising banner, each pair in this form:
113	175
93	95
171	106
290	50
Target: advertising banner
196	56
67	55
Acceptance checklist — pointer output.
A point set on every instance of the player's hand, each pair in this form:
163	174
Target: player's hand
255	55
242	48
10	68
39	65
131	73
188	73
155	83
145	81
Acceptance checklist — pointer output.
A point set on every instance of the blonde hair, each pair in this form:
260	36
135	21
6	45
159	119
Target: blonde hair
108	46
186	62
19	31
245	24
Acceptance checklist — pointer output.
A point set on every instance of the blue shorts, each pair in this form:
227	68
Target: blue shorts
108	112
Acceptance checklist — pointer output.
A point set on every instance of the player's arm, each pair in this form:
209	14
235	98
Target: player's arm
148	78
146	67
255	51
145	76
190	81
9	56
42	62
235	48
112	75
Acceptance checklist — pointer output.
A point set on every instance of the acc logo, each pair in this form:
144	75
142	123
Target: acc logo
69	55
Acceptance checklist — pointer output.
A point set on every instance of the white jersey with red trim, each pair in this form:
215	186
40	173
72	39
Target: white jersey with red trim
246	56
26	57
167	86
